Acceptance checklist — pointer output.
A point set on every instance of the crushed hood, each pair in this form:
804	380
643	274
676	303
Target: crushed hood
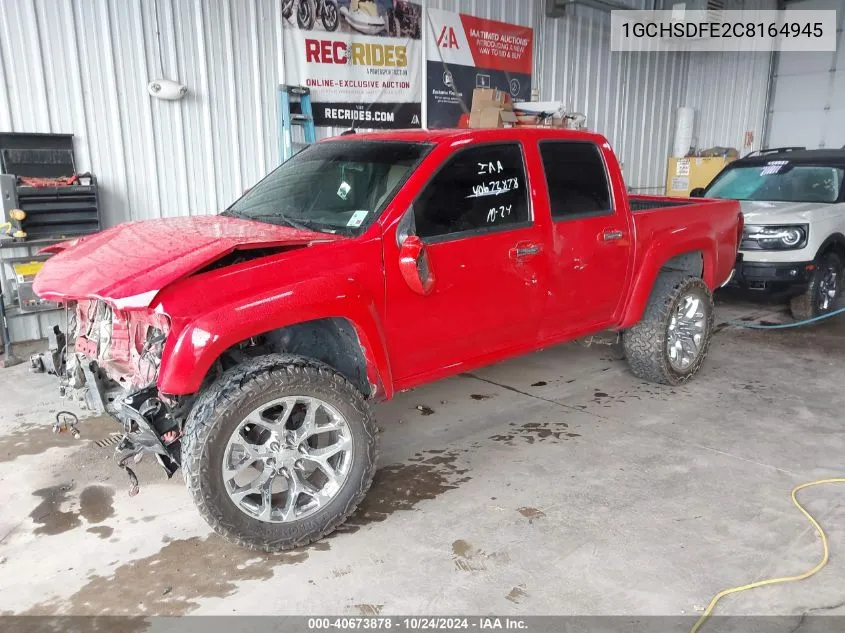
129	264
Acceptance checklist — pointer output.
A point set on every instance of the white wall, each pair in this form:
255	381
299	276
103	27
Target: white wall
807	108
629	97
82	67
729	90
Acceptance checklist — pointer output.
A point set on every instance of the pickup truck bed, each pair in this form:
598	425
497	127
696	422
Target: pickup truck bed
640	202
685	227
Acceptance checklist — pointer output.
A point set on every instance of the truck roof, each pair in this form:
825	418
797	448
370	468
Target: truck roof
476	134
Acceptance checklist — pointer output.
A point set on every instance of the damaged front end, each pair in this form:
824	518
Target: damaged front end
108	362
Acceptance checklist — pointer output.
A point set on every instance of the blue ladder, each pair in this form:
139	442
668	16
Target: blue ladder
301	95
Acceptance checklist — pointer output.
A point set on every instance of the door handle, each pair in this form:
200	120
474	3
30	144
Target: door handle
524	249
612	236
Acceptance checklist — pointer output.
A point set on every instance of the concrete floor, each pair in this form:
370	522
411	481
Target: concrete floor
556	483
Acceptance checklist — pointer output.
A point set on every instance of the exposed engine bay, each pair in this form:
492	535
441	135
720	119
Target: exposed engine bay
108	363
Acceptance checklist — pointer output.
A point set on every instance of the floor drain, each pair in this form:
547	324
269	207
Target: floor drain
111	440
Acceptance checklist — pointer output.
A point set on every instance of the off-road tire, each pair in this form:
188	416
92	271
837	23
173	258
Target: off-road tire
306	23
220	409
805	305
645	343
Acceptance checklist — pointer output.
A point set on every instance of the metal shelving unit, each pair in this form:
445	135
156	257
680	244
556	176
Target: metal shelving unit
11	288
38	175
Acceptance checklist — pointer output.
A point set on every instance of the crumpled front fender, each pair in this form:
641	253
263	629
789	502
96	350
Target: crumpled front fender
196	344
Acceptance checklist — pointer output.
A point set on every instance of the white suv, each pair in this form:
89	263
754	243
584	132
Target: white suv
793	244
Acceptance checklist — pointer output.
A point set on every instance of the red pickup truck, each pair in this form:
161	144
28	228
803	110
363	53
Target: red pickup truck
246	347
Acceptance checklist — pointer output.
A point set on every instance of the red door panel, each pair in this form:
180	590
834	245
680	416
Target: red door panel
488	296
485	261
588	277
591	236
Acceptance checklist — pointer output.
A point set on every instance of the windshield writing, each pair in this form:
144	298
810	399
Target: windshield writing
779	181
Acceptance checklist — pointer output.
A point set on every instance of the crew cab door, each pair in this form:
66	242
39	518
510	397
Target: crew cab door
591	237
467	266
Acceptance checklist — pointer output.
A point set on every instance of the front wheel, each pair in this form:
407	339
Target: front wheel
287	9
671	341
822	292
279	452
306	14
330	15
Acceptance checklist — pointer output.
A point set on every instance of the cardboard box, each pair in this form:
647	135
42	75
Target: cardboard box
483	98
479	106
685	174
527	120
492	117
508	118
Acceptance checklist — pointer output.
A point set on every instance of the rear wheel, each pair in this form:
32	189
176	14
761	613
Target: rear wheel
330	15
279	452
671	341
823	291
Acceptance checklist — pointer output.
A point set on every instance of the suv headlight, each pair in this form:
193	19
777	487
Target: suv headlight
763	237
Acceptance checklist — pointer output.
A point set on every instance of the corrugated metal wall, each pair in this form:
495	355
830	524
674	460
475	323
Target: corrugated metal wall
85	65
729	90
629	97
82	67
723	116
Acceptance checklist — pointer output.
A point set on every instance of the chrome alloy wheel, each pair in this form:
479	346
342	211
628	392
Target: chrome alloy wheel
287	459
828	289
686	334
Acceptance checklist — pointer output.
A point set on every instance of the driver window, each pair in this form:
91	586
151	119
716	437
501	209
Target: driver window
478	190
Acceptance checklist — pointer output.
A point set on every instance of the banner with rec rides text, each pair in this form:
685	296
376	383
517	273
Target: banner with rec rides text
465	52
362	60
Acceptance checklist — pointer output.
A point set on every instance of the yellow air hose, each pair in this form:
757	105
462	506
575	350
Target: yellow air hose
774	581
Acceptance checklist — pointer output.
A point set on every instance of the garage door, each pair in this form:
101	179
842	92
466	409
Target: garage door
808	102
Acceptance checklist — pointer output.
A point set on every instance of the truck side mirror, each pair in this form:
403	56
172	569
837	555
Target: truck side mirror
406	226
414	265
698	192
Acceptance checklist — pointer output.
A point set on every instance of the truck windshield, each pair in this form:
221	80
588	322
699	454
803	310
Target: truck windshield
779	181
334	187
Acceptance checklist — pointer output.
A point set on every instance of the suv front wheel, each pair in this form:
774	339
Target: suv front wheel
823	291
279	452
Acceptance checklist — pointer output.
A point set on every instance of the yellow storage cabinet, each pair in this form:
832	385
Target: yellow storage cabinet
685	174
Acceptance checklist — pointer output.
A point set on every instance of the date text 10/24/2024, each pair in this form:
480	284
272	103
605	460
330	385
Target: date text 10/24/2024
483	623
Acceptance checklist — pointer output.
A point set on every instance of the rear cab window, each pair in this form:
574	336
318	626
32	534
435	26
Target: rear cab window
577	180
479	189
